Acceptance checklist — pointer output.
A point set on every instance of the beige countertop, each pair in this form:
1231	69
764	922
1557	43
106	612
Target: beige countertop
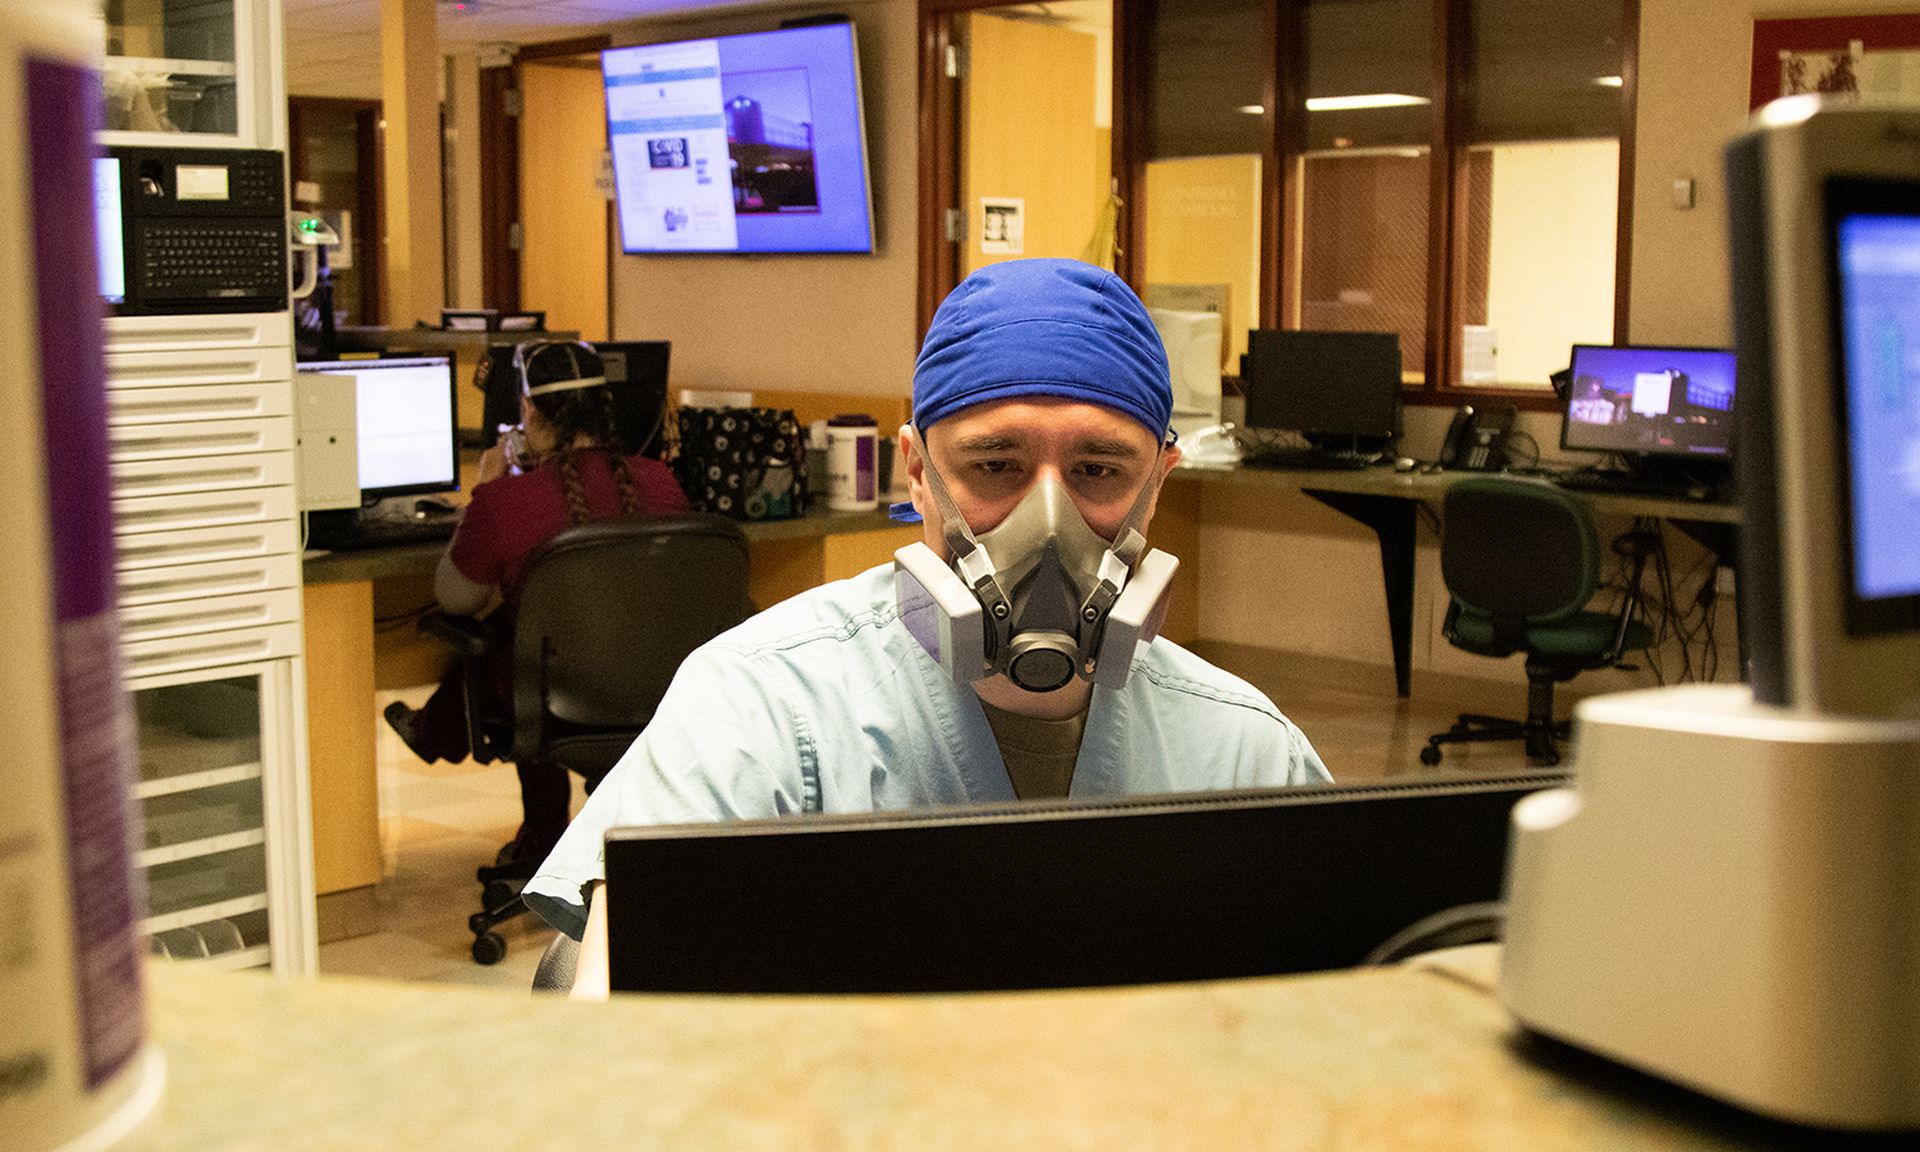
1397	1059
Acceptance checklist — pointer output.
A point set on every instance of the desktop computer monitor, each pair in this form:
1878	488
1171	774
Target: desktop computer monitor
1053	894
636	372
1339	389
1647	401
405	438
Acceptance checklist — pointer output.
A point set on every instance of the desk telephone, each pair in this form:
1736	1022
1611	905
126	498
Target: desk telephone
1477	439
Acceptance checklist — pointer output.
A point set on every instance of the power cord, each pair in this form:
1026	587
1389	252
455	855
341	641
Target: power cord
1449	928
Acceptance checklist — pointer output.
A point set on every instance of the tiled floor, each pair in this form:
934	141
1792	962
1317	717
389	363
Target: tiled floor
438	822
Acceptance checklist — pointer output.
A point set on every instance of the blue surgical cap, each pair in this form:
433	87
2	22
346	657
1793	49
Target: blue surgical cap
1043	328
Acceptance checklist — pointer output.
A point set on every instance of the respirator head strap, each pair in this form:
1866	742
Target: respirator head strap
1127	548
971	560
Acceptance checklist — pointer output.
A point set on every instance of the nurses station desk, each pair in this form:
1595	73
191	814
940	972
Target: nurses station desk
1389	503
1373	1060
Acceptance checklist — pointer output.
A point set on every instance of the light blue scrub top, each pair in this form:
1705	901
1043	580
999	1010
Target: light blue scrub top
825	703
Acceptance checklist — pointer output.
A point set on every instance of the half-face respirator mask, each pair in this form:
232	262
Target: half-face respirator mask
1041	598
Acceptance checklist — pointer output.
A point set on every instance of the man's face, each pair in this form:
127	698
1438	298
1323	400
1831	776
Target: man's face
991	454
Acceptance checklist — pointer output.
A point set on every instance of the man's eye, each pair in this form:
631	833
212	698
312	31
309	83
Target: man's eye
1098	471
994	467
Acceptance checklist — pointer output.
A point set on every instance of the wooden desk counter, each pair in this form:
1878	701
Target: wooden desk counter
1384	1060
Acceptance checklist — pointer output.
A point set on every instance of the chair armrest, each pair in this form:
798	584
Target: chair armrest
466	635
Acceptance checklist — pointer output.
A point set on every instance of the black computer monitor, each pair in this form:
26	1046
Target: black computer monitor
1336	388
636	372
406	433
1650	401
1047	895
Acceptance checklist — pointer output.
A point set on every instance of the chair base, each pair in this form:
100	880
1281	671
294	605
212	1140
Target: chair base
500	901
1542	740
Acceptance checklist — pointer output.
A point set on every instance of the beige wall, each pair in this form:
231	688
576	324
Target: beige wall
838	323
1694	68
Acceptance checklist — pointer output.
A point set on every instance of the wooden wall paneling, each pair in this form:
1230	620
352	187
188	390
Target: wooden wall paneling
1028	131
563	215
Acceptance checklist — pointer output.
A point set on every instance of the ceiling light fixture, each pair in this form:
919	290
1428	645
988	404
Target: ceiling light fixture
1370	100
1254	109
1610	81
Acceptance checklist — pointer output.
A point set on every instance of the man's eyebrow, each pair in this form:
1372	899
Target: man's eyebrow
1125	449
987	442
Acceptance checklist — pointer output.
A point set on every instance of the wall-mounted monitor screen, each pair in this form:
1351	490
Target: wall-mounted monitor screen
1650	401
752	143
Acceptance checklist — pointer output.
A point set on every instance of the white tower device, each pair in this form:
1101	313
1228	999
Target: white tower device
1193	342
1729	897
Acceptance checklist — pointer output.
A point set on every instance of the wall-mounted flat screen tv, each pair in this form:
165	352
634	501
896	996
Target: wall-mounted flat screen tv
751	143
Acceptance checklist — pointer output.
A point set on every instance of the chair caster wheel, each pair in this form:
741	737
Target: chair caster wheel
478	923
489	948
1430	755
497	895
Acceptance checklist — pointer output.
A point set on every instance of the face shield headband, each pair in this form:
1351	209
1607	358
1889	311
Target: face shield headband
523	355
1041	598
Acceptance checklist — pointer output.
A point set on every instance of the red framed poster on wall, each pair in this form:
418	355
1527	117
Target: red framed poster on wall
1878	55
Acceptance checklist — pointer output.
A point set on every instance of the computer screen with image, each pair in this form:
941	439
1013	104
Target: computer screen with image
1650	401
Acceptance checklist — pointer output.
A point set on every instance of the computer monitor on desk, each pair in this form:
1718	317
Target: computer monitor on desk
636	374
1048	895
1651	403
399	421
1340	390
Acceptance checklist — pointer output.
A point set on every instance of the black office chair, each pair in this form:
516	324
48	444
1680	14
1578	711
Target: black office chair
604	614
1521	560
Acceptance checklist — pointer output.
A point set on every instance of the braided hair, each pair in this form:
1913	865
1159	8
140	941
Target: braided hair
579	417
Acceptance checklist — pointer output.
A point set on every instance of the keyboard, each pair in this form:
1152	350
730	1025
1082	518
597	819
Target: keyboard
1309	460
1590	480
382	532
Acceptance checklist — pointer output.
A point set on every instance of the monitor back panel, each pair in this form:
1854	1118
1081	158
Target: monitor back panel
1051	895
1323	383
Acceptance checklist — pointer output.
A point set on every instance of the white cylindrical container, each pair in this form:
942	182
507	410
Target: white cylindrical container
853	461
76	1069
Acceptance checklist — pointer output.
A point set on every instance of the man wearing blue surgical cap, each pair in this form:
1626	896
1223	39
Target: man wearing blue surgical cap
1040	437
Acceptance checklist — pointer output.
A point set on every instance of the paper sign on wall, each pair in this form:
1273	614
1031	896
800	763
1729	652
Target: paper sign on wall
1003	225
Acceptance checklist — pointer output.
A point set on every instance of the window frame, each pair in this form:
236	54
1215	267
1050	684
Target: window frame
1451	93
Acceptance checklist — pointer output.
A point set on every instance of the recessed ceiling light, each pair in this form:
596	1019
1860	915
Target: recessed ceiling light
1370	100
1253	109
1610	81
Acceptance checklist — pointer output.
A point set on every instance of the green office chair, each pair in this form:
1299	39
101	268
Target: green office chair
1521	559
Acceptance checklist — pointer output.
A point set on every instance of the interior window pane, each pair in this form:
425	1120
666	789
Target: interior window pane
1536	267
1206	142
1363	263
1369	73
1209	64
1546	70
1540	239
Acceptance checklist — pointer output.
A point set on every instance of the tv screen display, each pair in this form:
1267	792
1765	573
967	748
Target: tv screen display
751	143
1656	401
